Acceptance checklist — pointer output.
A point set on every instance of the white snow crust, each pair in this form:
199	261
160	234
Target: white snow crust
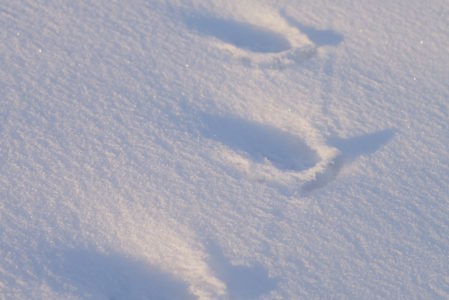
228	149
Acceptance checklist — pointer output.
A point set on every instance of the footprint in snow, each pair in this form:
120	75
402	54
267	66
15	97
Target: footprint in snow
253	44
97	275
261	143
279	156
241	35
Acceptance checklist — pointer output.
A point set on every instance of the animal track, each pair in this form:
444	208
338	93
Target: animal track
296	162
253	44
261	142
115	276
241	35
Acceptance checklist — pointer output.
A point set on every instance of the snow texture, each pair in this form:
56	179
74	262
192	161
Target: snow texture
224	149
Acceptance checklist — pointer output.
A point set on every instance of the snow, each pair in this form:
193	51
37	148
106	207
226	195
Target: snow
224	149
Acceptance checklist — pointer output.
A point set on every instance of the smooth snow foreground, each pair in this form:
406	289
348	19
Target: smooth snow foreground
224	149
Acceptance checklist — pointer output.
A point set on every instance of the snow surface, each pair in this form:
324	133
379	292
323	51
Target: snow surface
224	149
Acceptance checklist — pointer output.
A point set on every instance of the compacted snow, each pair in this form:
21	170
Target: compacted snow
224	149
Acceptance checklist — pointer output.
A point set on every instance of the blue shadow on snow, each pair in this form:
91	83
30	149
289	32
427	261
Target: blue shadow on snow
260	142
350	149
242	35
320	37
113	276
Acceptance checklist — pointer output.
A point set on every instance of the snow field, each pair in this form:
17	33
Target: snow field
225	150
